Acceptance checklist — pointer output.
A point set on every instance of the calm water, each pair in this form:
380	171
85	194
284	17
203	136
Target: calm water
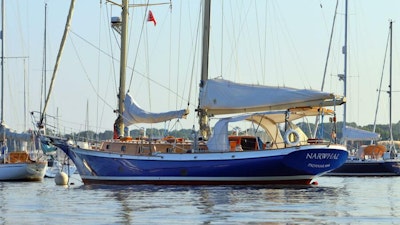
333	201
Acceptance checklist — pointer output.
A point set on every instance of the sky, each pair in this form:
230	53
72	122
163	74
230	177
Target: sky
273	42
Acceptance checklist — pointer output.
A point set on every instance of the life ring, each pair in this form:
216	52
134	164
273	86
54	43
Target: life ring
287	138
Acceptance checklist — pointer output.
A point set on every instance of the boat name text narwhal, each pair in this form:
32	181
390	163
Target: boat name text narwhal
322	156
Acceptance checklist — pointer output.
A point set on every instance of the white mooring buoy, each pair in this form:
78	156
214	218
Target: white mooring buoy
61	178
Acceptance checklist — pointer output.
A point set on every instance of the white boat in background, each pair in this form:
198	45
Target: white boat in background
373	159
20	164
24	163
216	158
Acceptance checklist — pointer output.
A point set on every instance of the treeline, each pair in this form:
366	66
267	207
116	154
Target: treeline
324	131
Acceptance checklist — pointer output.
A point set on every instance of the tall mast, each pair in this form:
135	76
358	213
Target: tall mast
345	64
390	89
203	117
44	72
2	61
44	65
119	123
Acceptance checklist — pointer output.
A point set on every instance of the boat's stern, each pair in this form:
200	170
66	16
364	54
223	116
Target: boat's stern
317	159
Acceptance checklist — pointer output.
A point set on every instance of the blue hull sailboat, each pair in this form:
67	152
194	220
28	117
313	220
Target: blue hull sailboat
217	157
127	161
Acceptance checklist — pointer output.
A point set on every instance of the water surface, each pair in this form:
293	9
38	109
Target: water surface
334	201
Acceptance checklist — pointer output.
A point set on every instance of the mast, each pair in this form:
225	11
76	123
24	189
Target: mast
203	116
2	61
119	122
344	50
44	65
392	148
62	44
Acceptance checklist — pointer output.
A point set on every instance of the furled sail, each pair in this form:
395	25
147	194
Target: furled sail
134	114
225	97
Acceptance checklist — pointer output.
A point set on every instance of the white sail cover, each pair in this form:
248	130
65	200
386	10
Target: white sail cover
219	141
354	134
225	97
134	114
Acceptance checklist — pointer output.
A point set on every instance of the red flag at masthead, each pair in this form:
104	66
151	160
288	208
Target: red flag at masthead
151	18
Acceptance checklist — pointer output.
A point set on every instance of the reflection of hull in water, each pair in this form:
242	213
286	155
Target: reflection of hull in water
296	165
30	171
358	167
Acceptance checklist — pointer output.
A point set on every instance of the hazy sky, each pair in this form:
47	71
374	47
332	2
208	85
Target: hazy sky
272	42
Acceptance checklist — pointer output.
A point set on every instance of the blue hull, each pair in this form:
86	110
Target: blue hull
368	168
289	166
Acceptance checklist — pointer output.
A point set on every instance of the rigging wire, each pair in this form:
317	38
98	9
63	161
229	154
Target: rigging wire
179	61
317	118
87	75
262	49
112	50
137	72
222	37
139	42
329	46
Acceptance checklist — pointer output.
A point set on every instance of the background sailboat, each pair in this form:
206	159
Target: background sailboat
17	163
374	159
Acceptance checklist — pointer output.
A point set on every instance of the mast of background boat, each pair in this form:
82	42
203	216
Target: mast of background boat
203	117
119	122
3	135
380	83
345	67
64	38
392	147
2	62
44	68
